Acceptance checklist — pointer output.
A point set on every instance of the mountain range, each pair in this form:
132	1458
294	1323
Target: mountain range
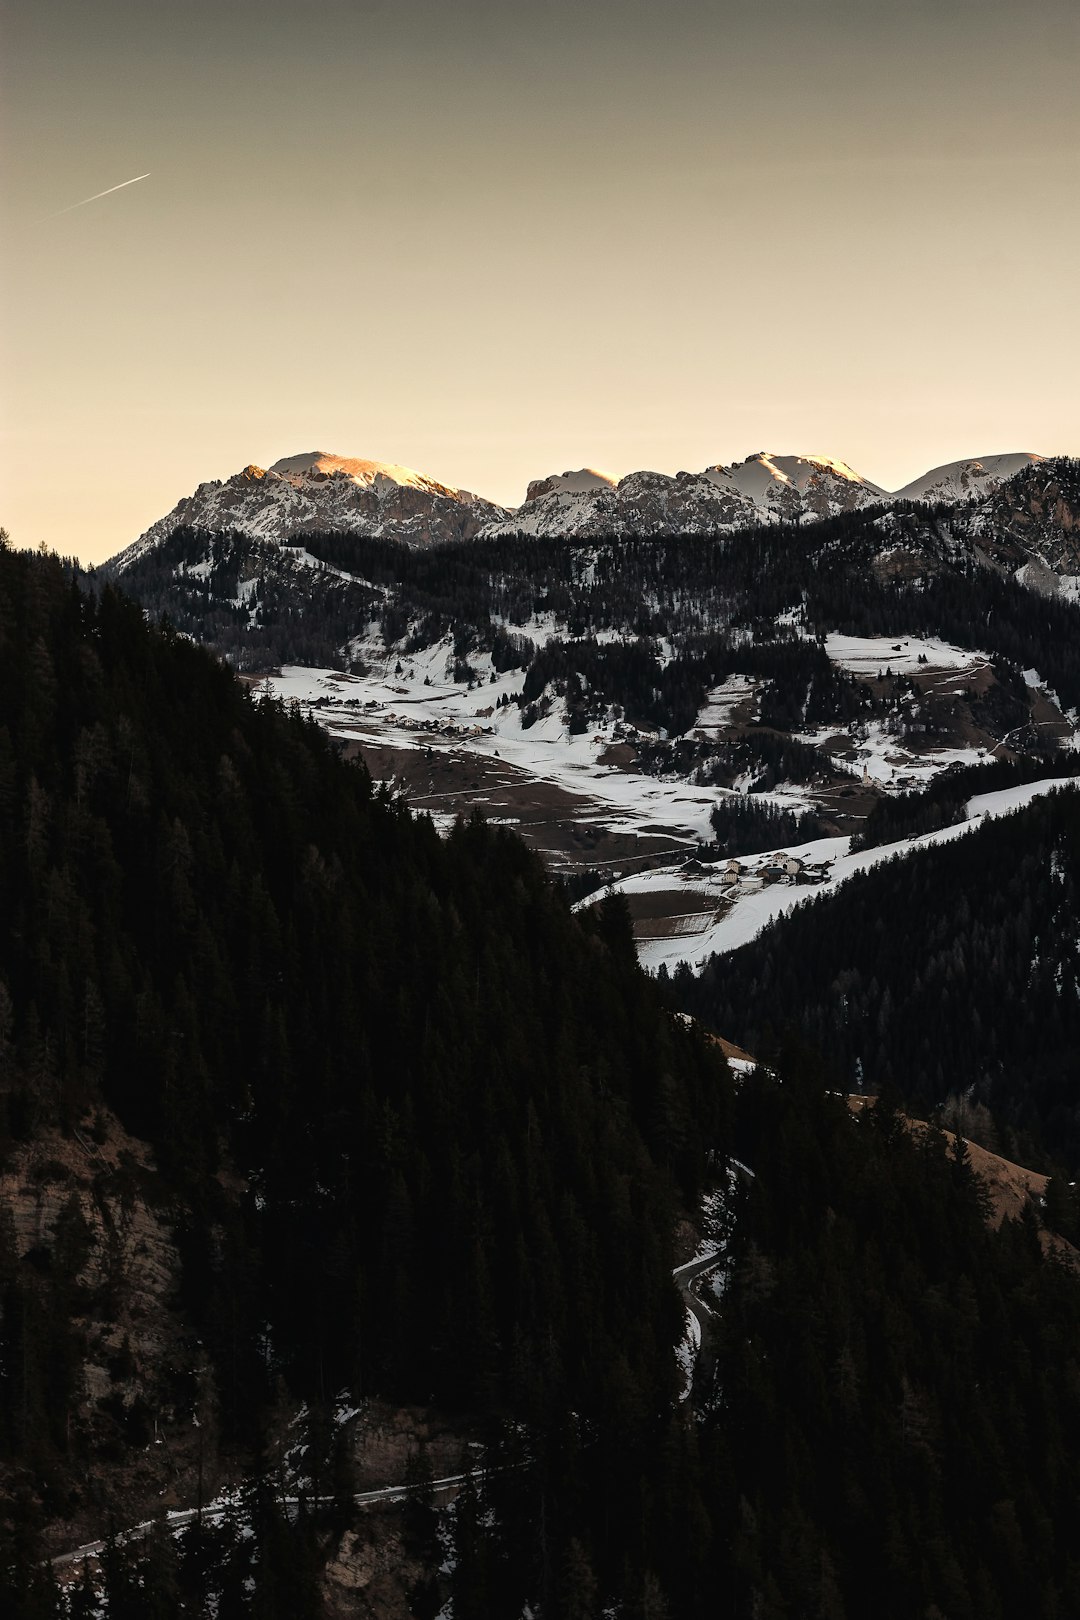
323	492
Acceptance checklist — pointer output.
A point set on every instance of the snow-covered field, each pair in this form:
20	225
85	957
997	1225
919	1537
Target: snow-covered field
412	702
904	655
459	746
943	670
885	759
723	703
423	707
752	904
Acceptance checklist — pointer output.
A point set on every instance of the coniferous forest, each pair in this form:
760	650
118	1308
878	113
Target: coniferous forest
962	978
416	1131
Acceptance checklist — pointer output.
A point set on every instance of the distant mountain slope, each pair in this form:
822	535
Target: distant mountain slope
806	672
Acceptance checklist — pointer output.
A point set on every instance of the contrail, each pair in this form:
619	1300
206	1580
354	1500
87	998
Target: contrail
107	192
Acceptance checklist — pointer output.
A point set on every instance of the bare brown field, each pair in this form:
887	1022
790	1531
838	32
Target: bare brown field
569	830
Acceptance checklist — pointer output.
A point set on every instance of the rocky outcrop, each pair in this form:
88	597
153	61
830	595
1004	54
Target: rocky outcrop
84	1212
320	492
1031	525
372	1574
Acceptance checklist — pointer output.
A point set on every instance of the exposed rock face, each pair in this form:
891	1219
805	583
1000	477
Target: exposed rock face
1031	525
323	492
129	1245
764	489
320	492
87	1208
330	493
372	1573
385	1438
376	1568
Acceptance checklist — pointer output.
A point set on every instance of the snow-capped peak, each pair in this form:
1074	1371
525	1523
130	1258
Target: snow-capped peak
320	491
964	480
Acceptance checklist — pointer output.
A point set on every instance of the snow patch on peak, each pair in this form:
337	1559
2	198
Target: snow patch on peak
766	478
583	482
802	468
799	472
367	474
964	480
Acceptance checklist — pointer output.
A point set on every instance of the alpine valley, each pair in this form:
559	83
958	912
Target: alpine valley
538	1066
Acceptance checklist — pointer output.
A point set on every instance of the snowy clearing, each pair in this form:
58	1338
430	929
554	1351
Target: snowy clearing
904	655
752	903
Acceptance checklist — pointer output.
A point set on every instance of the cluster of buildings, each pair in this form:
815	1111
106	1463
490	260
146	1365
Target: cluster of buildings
772	868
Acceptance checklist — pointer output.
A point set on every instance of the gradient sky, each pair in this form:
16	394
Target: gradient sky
493	240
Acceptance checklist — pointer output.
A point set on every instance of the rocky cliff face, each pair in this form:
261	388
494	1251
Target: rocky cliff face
86	1230
1031	525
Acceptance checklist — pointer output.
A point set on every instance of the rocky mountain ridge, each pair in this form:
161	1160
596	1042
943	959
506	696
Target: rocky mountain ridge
321	492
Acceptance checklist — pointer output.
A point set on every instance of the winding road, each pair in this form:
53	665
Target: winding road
685	1276
216	1511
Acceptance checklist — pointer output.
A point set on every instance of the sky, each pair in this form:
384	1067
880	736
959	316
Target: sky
493	241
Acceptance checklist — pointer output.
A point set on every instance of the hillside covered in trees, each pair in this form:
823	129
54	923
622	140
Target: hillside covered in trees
461	1119
953	972
723	604
409	1128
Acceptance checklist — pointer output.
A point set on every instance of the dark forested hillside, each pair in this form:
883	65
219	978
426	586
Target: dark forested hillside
956	971
462	1120
412	1129
896	1417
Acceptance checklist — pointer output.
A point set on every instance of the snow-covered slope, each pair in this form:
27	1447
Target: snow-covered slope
966	480
752	904
765	488
366	474
805	485
320	491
